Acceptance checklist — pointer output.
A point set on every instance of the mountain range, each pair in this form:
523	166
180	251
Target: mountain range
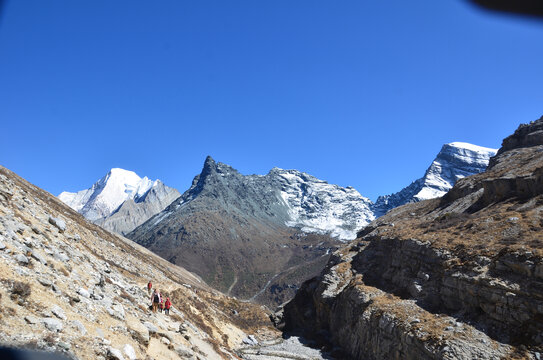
255	236
121	200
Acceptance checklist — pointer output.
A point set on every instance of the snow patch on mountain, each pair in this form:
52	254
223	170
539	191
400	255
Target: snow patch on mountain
316	206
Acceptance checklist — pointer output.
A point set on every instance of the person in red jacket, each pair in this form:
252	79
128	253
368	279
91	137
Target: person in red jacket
167	306
149	286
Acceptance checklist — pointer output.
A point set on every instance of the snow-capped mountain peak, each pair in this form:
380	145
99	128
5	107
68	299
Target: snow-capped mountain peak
108	193
456	160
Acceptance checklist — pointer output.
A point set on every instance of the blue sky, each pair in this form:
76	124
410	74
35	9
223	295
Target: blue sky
360	93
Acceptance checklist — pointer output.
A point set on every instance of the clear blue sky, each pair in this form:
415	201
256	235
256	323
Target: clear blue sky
360	93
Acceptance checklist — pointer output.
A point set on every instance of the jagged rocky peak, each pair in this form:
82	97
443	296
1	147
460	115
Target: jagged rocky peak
455	161
288	197
109	197
208	175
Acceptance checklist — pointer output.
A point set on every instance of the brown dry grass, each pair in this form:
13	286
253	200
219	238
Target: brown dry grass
64	271
486	232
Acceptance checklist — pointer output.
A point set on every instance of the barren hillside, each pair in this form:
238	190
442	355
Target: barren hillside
70	286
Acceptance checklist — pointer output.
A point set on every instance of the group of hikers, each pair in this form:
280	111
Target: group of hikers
157	302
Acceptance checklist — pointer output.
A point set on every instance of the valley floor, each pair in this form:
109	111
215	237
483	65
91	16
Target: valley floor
291	347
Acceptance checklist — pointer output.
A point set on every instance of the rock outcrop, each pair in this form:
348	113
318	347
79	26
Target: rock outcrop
458	277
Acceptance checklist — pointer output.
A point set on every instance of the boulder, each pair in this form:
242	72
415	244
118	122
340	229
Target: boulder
151	327
58	312
58	223
61	257
84	292
31	319
64	345
114	354
52	324
183	352
168	335
76	324
129	352
45	282
116	311
138	331
250	340
21	259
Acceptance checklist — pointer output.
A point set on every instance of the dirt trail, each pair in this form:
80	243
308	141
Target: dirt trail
233	284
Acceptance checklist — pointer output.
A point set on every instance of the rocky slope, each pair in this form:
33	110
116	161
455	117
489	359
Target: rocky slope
231	229
72	287
121	200
455	161
459	277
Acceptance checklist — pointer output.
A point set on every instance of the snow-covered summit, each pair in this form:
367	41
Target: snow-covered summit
108	193
456	160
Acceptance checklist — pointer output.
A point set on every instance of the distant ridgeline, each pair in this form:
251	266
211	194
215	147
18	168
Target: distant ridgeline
121	200
255	236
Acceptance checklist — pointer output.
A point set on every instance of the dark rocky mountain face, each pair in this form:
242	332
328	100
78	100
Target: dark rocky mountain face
459	277
230	229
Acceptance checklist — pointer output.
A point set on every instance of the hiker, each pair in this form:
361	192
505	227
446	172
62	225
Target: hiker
167	306
161	305
155	299
149	286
